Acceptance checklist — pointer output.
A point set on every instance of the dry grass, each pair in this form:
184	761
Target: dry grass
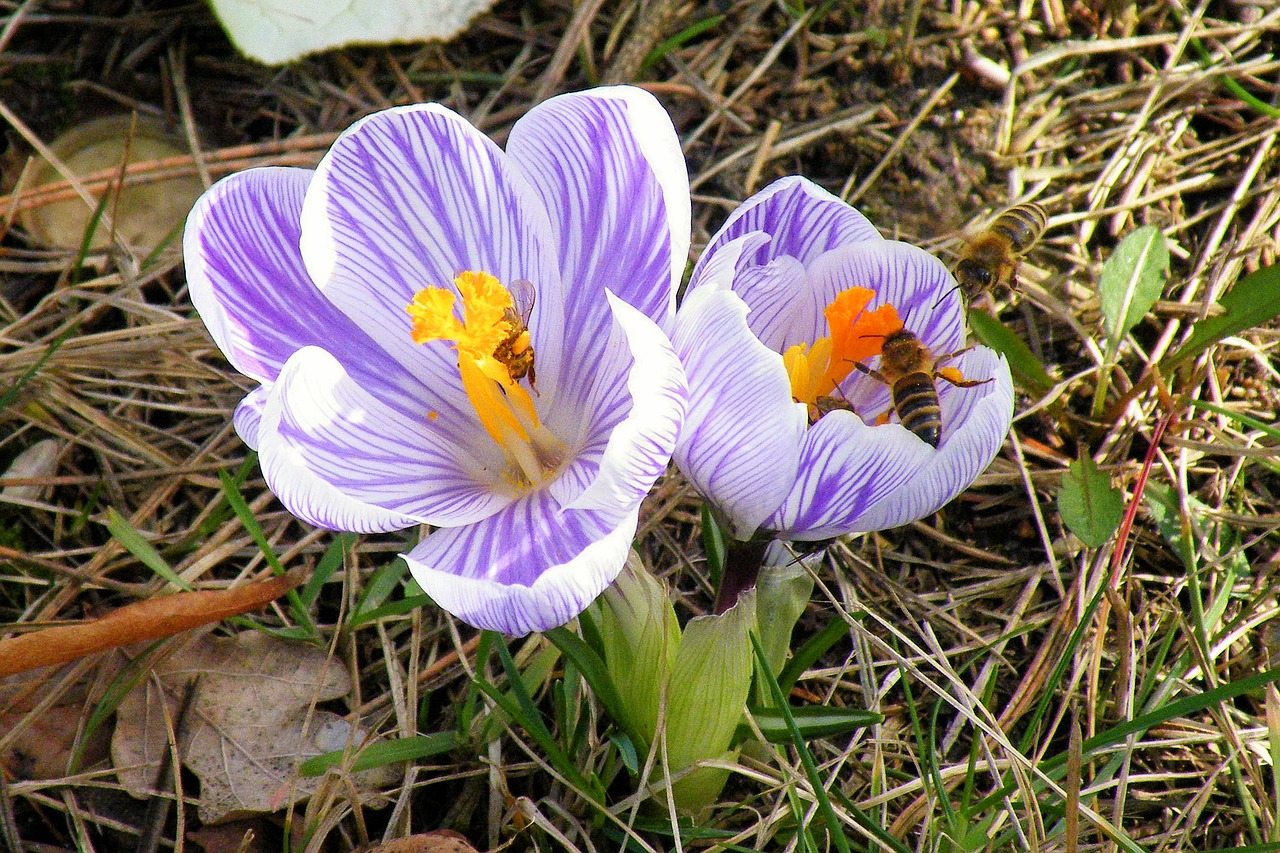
962	629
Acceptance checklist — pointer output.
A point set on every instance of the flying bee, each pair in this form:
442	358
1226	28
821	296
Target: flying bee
991	259
909	369
515	351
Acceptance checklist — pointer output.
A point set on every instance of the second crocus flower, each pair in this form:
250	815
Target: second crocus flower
787	432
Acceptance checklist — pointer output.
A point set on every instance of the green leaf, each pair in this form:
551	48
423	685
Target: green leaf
132	540
325	569
593	669
688	33
1132	280
813	721
1026	368
1252	301
1090	506
808	654
231	490
713	545
384	752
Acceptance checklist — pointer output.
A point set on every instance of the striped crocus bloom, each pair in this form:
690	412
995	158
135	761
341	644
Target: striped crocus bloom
448	334
787	431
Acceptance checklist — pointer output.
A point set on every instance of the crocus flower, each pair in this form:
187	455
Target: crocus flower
452	335
785	434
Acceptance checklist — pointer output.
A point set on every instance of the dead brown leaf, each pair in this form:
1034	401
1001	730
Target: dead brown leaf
134	623
440	841
250	724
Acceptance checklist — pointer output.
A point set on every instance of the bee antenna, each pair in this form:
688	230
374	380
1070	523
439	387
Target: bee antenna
945	295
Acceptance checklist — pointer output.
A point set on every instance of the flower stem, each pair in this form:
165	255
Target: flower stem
742	561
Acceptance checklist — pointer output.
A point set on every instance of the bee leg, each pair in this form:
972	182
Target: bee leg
952	355
958	379
872	372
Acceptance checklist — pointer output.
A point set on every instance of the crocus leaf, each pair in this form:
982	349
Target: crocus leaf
1090	506
713	545
812	722
783	589
706	695
1132	280
1026	368
1252	301
641	637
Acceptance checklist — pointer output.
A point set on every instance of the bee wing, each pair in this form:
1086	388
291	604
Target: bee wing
523	296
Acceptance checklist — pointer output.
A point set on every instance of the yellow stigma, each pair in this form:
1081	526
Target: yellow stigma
489	371
856	335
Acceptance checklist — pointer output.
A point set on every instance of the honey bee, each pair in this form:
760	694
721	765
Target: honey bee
829	403
515	351
909	369
991	259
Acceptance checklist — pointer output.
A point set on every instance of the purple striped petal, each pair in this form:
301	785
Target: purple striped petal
408	198
608	167
743	433
639	435
246	279
846	467
248	415
421	469
531	567
975	422
803	219
905	276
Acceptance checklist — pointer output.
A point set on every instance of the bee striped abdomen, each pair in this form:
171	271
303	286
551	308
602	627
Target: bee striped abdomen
1021	225
915	398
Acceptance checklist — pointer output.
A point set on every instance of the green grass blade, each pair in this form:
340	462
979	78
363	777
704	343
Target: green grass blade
11	393
384	752
593	670
808	654
811	722
687	34
1027	370
834	827
237	503
394	608
1251	301
124	533
329	563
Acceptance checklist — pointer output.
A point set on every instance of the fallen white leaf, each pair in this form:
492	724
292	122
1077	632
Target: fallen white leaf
280	31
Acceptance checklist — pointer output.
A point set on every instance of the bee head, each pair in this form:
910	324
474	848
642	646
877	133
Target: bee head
974	275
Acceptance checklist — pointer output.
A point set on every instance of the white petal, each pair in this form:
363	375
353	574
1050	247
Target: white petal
530	567
640	444
975	422
248	415
370	454
846	467
740	446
